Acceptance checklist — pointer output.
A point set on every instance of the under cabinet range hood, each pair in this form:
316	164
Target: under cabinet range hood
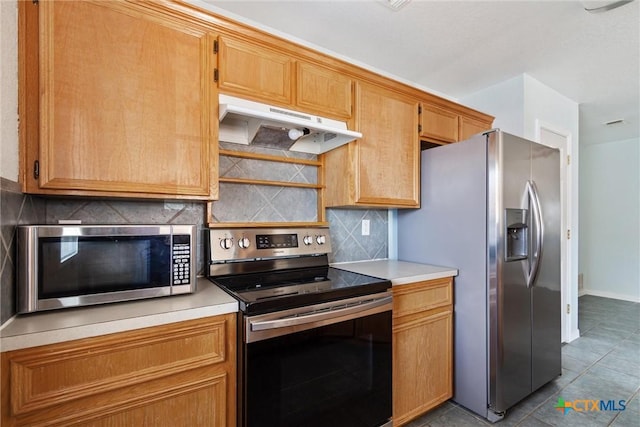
253	123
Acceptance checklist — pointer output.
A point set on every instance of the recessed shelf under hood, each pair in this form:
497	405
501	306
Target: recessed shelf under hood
253	123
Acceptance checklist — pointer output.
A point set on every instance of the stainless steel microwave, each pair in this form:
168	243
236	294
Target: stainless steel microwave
63	266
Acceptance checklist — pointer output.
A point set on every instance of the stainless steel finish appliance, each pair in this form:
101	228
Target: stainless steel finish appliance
314	342
63	266
491	208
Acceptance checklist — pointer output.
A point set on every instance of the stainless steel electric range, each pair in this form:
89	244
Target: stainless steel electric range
314	342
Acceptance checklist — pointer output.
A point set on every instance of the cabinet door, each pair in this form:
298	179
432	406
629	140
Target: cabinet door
171	375
388	153
252	71
438	124
422	347
469	127
323	91
126	102
422	365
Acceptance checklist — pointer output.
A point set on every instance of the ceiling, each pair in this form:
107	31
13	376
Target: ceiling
455	48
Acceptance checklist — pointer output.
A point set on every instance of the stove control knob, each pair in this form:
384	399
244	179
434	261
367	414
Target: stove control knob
244	242
321	239
226	243
307	240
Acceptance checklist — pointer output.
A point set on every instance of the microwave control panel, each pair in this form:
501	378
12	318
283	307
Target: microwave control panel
181	254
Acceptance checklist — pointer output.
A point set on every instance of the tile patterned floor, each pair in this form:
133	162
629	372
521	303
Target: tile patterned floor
603	364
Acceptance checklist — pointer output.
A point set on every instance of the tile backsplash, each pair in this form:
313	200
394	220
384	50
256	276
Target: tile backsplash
15	209
262	203
348	243
237	203
266	203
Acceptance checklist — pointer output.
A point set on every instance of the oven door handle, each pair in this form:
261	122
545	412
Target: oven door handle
341	311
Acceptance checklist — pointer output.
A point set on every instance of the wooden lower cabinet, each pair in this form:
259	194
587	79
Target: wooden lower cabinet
422	347
181	374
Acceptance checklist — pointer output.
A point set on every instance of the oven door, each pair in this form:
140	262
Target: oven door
325	365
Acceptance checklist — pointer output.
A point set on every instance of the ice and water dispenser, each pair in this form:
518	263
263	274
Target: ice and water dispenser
516	235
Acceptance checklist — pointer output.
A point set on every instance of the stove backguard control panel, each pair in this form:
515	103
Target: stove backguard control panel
257	243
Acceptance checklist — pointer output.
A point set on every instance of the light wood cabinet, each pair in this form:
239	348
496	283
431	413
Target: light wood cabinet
382	168
441	125
323	91
181	374
438	123
422	347
255	72
468	127
120	99
127	101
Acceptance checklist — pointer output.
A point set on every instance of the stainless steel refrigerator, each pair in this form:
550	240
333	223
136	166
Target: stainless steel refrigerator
490	206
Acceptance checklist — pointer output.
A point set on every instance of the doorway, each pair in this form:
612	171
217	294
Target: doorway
552	136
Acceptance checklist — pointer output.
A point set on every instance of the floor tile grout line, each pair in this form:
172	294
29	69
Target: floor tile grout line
580	374
538	415
633	396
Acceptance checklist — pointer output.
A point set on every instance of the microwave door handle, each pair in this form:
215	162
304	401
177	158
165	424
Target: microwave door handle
345	313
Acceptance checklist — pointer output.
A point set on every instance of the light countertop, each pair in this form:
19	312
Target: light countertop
399	272
55	326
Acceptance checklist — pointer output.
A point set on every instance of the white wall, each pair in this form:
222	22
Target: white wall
505	101
519	106
9	89
610	219
517	103
549	106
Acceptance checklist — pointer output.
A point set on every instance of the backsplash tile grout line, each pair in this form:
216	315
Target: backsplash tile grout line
280	207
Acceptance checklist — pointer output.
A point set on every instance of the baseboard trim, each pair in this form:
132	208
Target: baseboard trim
575	334
612	295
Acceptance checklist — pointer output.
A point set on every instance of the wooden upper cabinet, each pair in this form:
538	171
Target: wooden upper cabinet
388	152
251	71
126	103
257	72
437	123
440	125
468	127
381	169
323	91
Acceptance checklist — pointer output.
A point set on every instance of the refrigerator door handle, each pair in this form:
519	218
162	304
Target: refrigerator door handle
536	255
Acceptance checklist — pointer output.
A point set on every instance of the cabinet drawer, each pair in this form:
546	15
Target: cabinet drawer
60	373
422	296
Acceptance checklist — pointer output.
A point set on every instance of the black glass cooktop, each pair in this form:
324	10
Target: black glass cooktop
272	291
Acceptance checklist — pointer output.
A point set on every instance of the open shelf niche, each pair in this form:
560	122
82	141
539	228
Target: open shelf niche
266	187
